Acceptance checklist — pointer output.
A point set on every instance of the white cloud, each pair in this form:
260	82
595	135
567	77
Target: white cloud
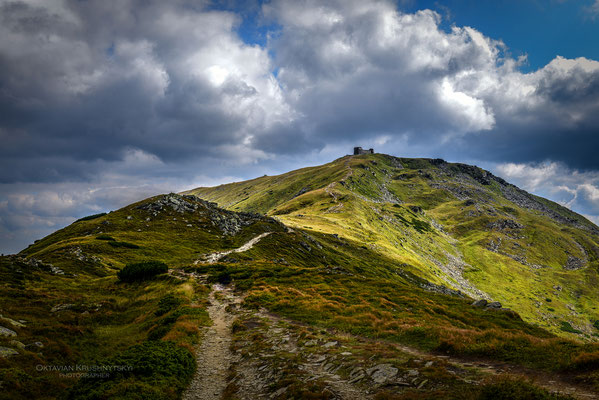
105	102
578	190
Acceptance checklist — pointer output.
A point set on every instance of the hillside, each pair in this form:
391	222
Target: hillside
452	224
355	279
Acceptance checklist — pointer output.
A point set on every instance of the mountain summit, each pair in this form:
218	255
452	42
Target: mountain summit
453	225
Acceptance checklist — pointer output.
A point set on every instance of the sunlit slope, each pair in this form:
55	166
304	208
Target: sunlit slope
451	224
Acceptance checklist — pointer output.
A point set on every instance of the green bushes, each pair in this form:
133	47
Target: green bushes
567	327
90	217
123	244
514	389
105	237
151	370
168	303
142	271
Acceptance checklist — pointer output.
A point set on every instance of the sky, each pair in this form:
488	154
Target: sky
103	103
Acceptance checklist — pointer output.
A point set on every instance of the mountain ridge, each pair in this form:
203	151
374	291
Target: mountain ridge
428	195
359	277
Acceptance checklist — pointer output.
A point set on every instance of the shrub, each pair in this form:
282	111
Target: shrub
123	244
567	327
105	237
142	271
167	303
90	217
514	389
596	324
586	361
157	370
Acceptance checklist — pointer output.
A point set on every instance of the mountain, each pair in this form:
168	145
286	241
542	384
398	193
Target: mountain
451	224
368	277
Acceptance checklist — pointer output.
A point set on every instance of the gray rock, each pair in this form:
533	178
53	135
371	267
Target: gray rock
12	322
574	263
494	304
61	307
18	344
35	346
7	352
7	332
480	303
382	373
330	344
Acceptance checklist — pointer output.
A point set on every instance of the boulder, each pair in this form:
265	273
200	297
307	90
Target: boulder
35	346
18	344
480	303
7	332
382	373
494	304
7	352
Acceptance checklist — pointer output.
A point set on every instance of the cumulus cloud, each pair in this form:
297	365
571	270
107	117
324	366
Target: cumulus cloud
150	94
578	190
86	80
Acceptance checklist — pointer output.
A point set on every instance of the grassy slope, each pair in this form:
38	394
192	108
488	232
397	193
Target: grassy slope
103	318
352	263
369	199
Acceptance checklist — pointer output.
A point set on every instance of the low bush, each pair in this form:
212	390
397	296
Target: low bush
567	327
90	217
155	369
105	237
124	244
586	361
516	389
168	303
142	271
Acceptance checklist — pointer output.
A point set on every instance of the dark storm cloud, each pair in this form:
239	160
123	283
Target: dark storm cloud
89	80
136	97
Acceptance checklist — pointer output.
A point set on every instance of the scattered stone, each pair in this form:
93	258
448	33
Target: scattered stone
330	344
480	303
7	352
382	373
61	307
129	217
302	191
279	392
574	263
422	383
310	343
346	353
428	364
18	344
18	324
494	304
413	372
504	224
7	332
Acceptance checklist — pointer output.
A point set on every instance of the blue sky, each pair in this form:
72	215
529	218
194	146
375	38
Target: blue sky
105	103
540	29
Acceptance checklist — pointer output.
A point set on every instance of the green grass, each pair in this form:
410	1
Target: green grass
354	207
368	233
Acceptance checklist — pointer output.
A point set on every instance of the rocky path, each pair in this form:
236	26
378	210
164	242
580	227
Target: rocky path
213	356
214	257
270	357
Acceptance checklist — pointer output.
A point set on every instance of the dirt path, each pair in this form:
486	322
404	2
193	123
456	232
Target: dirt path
214	257
214	356
256	368
553	382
